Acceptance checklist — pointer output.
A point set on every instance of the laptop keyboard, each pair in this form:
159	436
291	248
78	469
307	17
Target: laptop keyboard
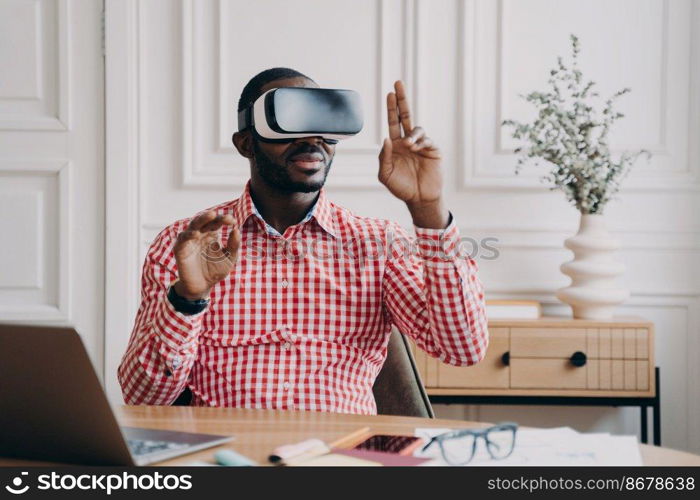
140	447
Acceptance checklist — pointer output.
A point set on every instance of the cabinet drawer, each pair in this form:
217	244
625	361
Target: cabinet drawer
542	359
619	374
490	373
546	374
618	343
546	342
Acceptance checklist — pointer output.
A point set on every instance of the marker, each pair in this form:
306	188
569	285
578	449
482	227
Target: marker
232	459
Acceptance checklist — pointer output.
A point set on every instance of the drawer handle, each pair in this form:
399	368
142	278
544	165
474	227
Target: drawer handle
578	358
505	359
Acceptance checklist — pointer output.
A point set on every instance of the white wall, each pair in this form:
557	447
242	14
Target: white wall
179	66
52	166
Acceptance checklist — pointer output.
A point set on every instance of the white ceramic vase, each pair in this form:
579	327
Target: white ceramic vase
593	292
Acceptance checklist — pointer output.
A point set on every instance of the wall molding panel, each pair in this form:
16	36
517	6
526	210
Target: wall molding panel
47	107
488	164
48	297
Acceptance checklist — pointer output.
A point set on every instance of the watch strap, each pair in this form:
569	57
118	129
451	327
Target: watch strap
185	306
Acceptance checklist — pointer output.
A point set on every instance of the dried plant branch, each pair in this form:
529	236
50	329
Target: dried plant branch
572	136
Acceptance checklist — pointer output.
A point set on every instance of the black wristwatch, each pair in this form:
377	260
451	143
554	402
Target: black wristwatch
184	306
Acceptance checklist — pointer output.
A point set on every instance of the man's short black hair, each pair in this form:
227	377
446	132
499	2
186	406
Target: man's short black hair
252	89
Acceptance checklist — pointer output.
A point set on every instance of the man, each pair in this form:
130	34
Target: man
232	310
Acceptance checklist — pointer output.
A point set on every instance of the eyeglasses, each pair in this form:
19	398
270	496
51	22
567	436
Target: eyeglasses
459	447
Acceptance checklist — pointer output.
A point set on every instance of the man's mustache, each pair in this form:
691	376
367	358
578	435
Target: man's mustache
307	148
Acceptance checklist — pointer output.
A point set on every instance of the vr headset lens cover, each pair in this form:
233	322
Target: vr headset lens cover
287	113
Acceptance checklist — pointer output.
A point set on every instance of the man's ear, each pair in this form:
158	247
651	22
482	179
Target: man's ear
244	143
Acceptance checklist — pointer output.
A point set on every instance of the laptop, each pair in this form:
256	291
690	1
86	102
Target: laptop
53	407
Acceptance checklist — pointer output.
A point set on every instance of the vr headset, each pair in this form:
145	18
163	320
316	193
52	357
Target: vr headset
287	113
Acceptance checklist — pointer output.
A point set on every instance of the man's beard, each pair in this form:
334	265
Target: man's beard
277	176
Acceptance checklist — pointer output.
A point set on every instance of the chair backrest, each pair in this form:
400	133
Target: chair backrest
398	389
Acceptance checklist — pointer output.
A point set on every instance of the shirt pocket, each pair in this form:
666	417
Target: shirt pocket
232	338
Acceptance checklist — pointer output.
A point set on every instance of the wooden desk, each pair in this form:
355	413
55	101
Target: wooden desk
257	432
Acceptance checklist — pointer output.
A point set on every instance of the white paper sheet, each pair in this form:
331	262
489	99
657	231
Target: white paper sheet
561	446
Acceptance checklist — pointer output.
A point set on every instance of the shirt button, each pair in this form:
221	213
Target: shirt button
286	345
284	283
177	362
286	386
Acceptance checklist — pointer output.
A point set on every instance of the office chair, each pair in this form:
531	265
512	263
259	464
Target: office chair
398	389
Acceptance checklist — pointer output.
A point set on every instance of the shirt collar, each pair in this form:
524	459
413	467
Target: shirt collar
321	211
324	214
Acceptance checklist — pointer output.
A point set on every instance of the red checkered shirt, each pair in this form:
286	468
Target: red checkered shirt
303	320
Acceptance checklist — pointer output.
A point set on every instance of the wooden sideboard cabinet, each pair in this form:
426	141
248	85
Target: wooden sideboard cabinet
555	360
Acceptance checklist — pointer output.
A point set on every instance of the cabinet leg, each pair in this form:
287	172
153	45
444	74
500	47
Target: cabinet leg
645	437
657	424
657	410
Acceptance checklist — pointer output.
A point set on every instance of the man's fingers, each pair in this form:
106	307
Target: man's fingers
216	223
386	163
185	235
429	150
404	108
203	224
393	116
202	219
423	143
416	135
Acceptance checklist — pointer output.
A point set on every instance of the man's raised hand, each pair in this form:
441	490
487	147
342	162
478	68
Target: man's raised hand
409	162
201	259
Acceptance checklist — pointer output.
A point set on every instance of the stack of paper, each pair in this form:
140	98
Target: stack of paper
513	309
549	447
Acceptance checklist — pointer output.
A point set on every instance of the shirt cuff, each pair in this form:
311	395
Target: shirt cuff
176	330
438	245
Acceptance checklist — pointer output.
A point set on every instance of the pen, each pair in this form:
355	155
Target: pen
304	449
350	439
